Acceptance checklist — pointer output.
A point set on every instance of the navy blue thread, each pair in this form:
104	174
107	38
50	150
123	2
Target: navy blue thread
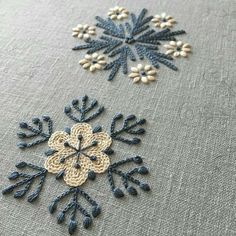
83	109
127	177
127	128
27	181
74	206
145	42
35	132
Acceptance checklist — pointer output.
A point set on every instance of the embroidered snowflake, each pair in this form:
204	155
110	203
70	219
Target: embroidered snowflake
77	155
129	41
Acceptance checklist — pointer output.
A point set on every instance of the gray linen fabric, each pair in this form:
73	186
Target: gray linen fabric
191	136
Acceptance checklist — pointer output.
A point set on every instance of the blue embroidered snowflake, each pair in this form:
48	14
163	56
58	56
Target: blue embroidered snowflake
126	41
77	155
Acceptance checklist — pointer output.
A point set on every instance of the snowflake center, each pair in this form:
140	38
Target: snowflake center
78	152
129	40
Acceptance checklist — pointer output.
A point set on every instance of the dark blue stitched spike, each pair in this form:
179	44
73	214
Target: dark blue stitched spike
127	177
111	28
84	109
96	45
128	128
36	131
154	57
73	206
26	181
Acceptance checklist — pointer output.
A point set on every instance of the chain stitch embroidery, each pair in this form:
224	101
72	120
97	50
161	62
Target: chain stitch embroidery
121	40
78	154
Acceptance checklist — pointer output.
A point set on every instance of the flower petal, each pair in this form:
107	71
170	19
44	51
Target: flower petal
77	176
168	52
136	79
183	54
83	129
53	163
83	61
87	65
97	66
88	57
151	72
132	75
179	43
134	69
163	24
101	163
144	79
176	54
172	43
151	78
147	67
140	67
103	139
57	140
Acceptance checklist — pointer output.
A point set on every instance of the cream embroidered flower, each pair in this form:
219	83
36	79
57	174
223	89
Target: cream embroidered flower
78	153
118	13
163	21
177	49
83	31
93	62
144	73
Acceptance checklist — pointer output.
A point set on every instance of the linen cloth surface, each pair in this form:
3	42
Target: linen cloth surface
190	143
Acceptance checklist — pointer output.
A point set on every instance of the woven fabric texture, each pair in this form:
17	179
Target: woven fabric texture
190	143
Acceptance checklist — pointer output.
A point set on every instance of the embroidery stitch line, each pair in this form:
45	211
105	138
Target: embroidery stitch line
121	40
75	150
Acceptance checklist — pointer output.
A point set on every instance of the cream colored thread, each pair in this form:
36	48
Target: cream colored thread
77	176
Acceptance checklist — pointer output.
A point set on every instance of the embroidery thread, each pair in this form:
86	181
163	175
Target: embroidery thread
131	40
77	155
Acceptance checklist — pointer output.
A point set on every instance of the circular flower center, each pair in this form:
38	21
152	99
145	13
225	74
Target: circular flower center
129	40
178	49
163	20
143	73
94	61
78	151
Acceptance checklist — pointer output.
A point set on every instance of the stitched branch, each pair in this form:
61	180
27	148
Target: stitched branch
36	131
26	182
127	128
127	177
83	110
73	206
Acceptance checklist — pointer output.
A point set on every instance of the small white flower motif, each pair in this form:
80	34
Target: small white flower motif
118	13
177	49
83	31
163	21
143	73
93	62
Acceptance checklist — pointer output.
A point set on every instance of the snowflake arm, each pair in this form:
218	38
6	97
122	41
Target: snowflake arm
74	206
27	181
154	57
84	109
106	43
124	53
111	28
139	24
127	177
36	131
127	128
